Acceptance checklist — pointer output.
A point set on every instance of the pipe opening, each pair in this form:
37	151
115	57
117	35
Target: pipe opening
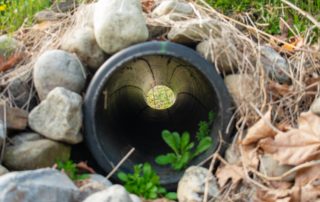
121	111
160	97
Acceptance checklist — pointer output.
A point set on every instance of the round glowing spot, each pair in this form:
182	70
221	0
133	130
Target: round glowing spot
160	97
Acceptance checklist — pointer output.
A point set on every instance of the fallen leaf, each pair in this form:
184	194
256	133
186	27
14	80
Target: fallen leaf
279	89
11	62
310	193
294	43
307	175
297	145
259	130
250	156
147	5
84	166
232	172
273	196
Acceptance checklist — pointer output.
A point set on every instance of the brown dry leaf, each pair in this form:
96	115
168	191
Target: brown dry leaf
274	196
259	130
11	62
294	43
250	156
279	89
147	5
307	175
84	166
310	193
226	172
297	145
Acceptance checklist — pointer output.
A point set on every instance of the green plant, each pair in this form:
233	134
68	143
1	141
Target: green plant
14	13
145	182
70	168
183	147
204	127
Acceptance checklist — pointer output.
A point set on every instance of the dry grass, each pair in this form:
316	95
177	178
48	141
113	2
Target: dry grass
240	44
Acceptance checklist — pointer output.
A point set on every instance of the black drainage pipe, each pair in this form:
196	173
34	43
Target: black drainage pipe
117	117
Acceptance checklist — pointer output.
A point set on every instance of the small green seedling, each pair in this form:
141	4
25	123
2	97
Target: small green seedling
183	147
70	169
145	182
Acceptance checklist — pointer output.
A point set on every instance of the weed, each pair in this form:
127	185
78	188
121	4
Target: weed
70	168
14	13
183	148
145	182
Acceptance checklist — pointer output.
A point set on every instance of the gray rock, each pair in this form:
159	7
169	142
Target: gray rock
44	185
115	193
121	26
100	179
272	168
195	30
157	31
82	42
57	68
274	64
59	116
177	10
315	107
9	46
30	151
93	184
241	88
134	198
232	155
3	170
48	15
21	91
192	185
217	53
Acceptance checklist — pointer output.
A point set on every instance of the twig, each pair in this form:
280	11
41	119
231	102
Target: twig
214	156
120	163
299	167
302	12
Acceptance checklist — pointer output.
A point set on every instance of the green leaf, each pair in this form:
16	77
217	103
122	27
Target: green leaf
190	146
185	139
147	170
177	139
165	159
183	161
203	145
171	140
123	177
171	196
211	117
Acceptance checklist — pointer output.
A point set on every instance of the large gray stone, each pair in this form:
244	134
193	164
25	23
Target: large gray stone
241	87
119	24
217	52
3	170
192	185
31	151
195	30
57	68
177	10
115	193
83	43
274	64
44	185
59	116
93	184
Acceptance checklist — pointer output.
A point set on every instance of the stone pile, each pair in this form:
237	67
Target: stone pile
60	77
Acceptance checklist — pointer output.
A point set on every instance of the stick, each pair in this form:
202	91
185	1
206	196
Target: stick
120	163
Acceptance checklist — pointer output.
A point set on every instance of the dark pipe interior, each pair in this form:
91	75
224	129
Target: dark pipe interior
127	121
118	118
